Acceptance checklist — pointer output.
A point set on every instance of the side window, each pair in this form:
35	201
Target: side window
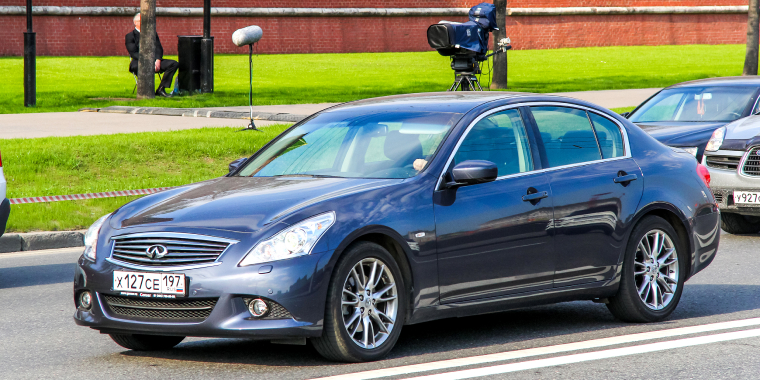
567	135
501	139
608	135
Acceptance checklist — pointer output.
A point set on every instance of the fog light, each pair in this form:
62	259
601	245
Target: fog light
85	300
258	308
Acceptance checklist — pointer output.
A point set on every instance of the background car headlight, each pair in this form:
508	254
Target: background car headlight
716	140
296	240
91	238
691	149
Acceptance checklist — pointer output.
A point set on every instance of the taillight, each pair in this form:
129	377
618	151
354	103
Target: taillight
1	161
704	174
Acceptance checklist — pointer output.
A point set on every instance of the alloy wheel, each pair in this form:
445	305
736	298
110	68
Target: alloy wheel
656	269
369	303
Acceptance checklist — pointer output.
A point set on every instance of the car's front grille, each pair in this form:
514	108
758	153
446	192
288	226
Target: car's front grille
718	197
751	165
723	162
167	249
173	310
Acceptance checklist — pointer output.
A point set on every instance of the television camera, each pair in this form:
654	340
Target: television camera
467	44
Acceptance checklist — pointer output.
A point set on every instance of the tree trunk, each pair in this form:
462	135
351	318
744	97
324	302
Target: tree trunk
500	60
750	60
146	86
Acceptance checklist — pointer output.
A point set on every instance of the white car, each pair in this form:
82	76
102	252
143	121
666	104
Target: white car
733	157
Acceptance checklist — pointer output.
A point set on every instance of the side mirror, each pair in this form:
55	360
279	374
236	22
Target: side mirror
234	165
472	172
625	114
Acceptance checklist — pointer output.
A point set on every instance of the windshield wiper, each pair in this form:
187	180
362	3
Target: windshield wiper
308	175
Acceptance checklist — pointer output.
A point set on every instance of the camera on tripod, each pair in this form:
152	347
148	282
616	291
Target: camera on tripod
467	44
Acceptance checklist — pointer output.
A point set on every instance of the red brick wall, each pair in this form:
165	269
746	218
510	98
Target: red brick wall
378	3
74	35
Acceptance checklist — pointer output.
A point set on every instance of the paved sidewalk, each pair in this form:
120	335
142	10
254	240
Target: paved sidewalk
95	123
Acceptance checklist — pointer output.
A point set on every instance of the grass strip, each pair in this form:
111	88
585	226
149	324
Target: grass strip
67	83
91	164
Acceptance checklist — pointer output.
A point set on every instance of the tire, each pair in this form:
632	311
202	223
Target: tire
631	305
146	342
737	224
346	310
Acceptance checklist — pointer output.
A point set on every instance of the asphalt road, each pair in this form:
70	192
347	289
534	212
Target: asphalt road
38	338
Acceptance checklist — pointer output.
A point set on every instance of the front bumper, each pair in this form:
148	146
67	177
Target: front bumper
725	182
298	285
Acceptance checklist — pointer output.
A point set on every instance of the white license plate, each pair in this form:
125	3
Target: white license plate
152	283
747	197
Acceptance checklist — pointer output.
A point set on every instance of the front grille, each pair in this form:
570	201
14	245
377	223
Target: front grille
719	197
751	165
276	311
723	162
173	310
181	249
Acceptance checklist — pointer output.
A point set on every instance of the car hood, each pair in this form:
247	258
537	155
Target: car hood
681	133
244	204
744	129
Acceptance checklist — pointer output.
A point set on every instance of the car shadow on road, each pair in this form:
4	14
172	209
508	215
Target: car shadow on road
516	329
18	277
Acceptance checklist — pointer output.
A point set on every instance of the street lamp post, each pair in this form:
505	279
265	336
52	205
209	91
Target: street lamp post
30	60
207	51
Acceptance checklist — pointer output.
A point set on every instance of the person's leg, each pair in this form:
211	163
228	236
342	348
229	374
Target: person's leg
168	68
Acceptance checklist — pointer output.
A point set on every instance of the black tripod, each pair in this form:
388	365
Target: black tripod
250	127
467	82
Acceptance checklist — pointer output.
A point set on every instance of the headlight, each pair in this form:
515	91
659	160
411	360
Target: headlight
91	238
296	240
691	149
716	140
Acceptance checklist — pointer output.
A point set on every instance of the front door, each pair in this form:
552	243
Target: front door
494	238
596	189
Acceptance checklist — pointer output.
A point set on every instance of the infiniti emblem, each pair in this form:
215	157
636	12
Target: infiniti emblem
156	251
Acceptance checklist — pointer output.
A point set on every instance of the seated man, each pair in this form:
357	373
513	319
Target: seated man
166	66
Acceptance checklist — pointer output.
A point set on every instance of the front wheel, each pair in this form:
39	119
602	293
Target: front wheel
654	271
139	342
739	224
366	306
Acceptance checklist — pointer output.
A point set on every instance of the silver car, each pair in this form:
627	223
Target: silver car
733	157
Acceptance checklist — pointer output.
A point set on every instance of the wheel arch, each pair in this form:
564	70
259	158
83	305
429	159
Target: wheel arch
394	243
676	218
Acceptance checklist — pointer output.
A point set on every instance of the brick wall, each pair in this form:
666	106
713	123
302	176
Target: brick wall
377	3
101	35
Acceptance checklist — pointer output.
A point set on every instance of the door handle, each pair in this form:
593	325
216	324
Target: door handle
625	179
535	196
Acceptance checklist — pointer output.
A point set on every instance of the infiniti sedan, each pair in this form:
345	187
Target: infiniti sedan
387	212
686	114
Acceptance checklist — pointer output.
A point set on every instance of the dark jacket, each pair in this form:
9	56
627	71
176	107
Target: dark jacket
132	41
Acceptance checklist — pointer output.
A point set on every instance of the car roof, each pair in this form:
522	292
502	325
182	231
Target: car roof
721	81
457	102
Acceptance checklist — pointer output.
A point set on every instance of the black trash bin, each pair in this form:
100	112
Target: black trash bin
189	52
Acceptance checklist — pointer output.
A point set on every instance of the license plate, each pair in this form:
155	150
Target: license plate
149	283
747	197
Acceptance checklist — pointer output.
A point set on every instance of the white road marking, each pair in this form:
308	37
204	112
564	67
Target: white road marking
588	356
509	355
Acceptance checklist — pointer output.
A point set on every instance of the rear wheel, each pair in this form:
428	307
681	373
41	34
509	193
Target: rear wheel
739	224
654	271
139	342
365	306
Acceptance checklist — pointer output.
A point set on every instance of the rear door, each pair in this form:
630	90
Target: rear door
596	189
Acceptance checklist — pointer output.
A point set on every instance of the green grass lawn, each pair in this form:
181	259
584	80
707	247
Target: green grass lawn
87	164
70	83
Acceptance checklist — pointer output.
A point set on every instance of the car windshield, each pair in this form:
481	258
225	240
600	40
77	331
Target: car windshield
696	104
347	144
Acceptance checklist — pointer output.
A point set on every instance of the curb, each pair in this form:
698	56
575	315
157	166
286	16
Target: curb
198	112
35	241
